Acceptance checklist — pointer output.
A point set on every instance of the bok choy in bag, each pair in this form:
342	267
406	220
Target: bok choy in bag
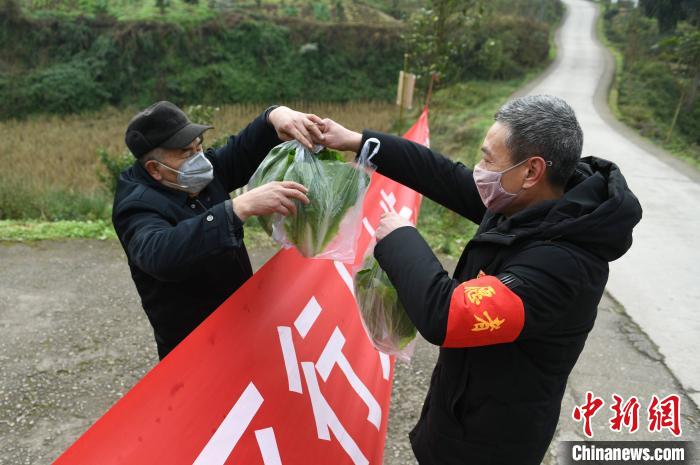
328	227
384	318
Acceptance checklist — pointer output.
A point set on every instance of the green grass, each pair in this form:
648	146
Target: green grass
179	11
123	10
35	230
618	58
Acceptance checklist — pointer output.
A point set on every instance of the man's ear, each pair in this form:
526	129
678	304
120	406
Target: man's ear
537	168
152	169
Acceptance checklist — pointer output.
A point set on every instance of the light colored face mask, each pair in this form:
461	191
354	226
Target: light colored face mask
491	191
194	174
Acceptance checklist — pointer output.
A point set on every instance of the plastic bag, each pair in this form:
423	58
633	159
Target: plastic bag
329	226
385	320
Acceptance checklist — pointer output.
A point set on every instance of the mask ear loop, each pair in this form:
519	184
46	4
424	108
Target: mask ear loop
546	163
166	166
500	178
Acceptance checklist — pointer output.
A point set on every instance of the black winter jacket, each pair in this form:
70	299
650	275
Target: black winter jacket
186	254
514	318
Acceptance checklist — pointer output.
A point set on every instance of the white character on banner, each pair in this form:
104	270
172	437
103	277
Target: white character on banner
229	432
325	418
388	204
331	356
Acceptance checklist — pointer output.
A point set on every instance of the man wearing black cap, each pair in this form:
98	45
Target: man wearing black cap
181	231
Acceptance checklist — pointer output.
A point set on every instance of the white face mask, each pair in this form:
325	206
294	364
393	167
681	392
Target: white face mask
194	174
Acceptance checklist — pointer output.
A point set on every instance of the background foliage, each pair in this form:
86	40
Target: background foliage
54	65
657	87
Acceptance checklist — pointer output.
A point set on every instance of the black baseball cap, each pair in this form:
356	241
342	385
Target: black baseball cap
162	124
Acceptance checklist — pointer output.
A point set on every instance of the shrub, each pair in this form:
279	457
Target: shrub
65	88
111	166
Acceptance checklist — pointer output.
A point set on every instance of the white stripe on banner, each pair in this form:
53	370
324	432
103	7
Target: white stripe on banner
231	429
368	227
390	199
333	355
384	358
326	419
345	275
291	363
406	213
307	317
268	446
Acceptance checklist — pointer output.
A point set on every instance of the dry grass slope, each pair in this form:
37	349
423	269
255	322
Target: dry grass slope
49	154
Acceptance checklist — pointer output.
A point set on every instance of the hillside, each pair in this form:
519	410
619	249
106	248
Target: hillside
52	64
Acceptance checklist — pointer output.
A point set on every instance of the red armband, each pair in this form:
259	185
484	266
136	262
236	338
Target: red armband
483	311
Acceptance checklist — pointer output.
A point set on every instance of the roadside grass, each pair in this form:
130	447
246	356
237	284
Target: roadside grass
613	93
35	230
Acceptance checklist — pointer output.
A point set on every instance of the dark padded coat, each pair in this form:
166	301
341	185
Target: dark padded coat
186	254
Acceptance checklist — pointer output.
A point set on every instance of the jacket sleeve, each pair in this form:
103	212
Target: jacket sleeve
449	183
175	252
236	161
528	297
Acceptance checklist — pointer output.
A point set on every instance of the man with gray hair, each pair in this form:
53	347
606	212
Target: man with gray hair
514	317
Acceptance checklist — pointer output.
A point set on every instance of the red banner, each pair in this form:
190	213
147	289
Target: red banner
281	373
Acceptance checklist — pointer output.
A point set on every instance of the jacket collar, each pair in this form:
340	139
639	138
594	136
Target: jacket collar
496	228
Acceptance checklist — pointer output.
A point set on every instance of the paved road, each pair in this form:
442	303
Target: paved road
657	280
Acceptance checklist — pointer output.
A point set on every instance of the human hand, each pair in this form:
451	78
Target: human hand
291	124
273	197
390	222
338	137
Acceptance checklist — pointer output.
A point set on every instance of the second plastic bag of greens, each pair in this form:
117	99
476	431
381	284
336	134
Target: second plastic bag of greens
328	227
383	317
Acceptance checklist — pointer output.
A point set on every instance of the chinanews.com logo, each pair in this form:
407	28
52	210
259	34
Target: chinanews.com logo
626	452
660	414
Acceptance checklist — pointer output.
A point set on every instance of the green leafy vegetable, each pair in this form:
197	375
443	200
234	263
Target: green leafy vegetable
334	187
385	319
